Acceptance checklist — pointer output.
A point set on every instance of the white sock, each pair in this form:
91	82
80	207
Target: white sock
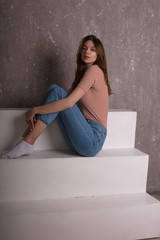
22	148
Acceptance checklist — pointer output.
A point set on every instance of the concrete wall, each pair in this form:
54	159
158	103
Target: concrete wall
38	44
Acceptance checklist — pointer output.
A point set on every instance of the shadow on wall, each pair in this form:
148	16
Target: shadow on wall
47	72
16	127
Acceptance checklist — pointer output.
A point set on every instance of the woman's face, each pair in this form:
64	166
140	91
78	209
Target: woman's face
88	54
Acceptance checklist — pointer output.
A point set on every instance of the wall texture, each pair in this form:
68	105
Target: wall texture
38	44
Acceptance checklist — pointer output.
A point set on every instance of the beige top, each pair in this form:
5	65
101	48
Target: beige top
94	103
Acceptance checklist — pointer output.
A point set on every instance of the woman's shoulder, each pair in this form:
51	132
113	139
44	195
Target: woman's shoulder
94	69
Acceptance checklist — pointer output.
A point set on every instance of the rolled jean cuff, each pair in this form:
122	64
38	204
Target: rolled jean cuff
46	118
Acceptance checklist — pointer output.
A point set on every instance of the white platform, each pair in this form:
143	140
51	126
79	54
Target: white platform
121	130
51	174
122	217
56	195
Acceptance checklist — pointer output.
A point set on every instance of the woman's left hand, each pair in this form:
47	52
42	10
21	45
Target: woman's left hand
30	117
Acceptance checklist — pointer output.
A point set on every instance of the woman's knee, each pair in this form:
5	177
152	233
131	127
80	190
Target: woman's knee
52	87
55	89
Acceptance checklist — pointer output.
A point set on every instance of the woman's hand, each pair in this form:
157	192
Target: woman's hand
30	117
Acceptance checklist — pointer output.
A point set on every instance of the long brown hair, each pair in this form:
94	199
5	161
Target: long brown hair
100	61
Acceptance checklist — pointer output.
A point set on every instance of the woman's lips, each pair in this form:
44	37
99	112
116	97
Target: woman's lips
86	57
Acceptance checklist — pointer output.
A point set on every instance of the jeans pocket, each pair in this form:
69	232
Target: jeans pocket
100	136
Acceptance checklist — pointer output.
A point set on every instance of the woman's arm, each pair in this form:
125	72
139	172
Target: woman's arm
56	106
86	82
61	104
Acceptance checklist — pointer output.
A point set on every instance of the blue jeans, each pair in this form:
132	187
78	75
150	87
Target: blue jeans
85	136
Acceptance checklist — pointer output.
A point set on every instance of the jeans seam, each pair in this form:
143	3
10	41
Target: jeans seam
79	122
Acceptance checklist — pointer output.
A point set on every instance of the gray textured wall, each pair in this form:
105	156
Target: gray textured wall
38	44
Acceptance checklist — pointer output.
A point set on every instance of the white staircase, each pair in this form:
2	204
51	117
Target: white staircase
57	195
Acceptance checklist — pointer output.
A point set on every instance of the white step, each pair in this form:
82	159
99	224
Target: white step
121	130
117	217
62	174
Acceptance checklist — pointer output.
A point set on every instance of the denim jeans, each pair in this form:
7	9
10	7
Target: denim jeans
85	136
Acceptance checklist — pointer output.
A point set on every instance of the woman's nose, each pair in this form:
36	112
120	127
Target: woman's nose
87	50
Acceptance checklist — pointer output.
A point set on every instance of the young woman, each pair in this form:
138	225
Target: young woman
82	114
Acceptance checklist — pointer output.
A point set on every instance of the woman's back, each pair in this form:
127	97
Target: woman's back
94	103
